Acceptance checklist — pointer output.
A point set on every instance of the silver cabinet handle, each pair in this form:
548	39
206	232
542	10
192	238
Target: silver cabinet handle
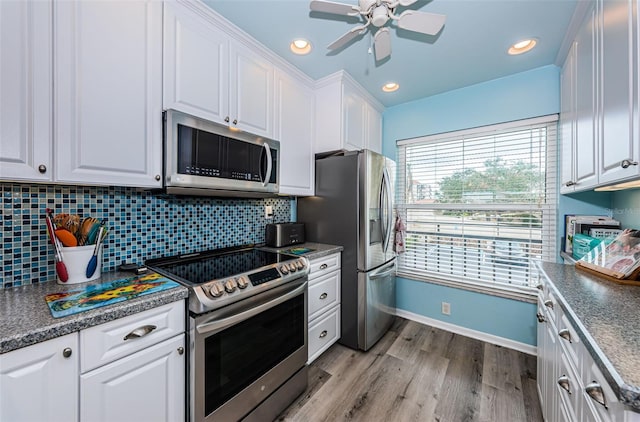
570	183
627	163
226	119
548	304
540	287
140	332
235	121
42	168
594	390
323	334
565	334
324	266
563	382
180	350
157	177
323	296
67	352
540	317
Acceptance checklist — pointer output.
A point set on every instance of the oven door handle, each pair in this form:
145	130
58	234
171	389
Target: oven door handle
219	324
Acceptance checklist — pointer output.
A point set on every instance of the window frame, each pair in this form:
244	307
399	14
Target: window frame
548	208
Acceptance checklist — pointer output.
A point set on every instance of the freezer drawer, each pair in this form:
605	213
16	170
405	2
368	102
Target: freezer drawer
378	290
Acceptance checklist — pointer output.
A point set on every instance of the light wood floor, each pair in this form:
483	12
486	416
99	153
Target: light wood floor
419	373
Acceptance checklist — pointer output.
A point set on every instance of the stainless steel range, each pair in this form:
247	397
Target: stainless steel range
247	331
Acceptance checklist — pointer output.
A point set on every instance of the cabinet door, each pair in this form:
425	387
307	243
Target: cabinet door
353	118
567	123
586	174
196	65
251	81
374	129
146	386
40	383
108	85
25	90
295	111
617	91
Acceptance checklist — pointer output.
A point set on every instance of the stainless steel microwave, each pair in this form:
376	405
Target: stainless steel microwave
205	158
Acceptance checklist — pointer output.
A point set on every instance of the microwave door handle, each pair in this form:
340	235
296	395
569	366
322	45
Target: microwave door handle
269	164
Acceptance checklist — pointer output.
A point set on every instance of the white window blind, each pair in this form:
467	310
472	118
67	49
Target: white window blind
479	204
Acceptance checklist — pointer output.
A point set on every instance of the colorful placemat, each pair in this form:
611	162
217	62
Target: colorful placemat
98	295
299	251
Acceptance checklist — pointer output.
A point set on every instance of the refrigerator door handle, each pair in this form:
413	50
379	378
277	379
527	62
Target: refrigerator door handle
379	273
389	208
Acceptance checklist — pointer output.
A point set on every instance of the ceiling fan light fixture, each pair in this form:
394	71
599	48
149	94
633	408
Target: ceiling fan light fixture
390	87
380	16
522	46
300	46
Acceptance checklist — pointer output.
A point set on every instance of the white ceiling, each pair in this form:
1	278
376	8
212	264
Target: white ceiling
471	48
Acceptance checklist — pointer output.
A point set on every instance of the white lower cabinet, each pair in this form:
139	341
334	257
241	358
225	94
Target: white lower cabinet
146	386
324	304
129	369
40	382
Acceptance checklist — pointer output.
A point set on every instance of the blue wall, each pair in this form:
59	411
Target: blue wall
520	96
625	207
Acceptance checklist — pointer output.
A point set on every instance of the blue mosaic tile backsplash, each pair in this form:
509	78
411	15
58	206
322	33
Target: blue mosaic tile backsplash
141	225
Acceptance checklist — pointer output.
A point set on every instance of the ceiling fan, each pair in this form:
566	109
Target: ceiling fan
378	13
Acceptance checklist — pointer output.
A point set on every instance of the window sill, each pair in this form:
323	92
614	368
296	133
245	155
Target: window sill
523	294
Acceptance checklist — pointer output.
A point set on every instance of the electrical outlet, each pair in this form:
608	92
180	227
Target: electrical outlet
446	308
268	211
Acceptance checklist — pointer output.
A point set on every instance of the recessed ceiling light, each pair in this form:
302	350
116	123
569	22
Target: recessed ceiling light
300	46
522	46
390	87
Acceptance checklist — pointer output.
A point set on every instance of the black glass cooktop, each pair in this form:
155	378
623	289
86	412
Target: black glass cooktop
212	265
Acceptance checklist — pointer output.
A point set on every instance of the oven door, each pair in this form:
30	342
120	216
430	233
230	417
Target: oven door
242	353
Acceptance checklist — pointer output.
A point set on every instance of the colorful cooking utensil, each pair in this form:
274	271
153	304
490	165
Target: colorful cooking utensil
65	236
61	269
93	262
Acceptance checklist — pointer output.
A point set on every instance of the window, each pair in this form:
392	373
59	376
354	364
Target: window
479	204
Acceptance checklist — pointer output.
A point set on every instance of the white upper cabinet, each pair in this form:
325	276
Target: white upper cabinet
196	65
210	75
619	151
25	90
294	129
567	123
347	117
108	92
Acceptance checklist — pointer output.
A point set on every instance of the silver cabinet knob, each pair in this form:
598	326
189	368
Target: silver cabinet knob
323	266
594	390
157	177
323	334
67	352
570	183
226	119
235	121
565	334
548	304
42	168
180	350
323	296
540	317
627	163
563	382
540	287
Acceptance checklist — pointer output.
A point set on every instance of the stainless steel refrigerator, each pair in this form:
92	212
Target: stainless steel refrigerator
353	208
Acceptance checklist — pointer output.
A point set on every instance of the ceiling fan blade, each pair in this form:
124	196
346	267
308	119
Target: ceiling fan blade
426	23
406	2
333	7
343	40
382	44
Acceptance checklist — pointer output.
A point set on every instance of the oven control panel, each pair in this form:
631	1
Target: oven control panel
235	288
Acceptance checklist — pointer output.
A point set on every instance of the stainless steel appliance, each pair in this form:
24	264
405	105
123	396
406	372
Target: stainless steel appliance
353	208
247	331
204	158
284	234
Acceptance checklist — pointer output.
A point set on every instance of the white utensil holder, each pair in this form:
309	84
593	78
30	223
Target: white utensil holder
76	259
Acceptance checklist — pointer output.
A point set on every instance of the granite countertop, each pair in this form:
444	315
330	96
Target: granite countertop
606	316
319	249
25	318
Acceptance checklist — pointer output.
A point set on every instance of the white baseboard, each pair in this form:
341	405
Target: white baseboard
467	332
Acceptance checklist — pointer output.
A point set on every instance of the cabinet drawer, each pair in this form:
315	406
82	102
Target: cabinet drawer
571	398
324	332
324	293
107	342
323	265
571	343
